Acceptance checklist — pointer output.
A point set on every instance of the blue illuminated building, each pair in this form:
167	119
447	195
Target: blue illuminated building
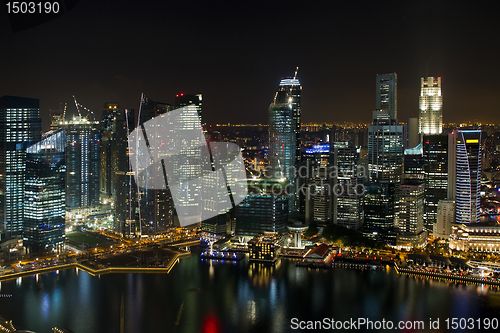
44	196
284	135
20	126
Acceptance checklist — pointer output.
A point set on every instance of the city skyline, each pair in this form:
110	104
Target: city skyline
330	47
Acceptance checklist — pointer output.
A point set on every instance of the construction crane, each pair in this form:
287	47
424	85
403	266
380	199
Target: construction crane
64	112
80	105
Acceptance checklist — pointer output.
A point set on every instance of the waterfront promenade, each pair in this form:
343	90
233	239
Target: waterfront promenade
94	272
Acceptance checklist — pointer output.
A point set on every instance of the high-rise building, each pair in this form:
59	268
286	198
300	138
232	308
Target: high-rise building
435	153
182	100
20	126
265	209
107	119
83	165
348	193
386	94
117	183
409	209
431	106
289	92
283	142
464	174
379	212
156	208
45	194
385	148
414	163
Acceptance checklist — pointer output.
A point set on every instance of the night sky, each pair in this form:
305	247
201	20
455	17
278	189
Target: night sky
235	53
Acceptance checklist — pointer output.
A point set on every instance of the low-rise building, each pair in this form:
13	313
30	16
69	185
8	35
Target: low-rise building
475	237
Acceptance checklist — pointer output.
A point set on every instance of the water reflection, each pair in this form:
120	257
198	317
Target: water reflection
228	297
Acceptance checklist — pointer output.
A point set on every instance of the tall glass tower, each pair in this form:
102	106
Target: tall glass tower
385	148
20	126
155	206
83	164
117	184
282	145
386	93
289	92
431	106
464	174
45	197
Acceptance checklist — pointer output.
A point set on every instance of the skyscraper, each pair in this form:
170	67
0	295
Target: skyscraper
385	148
185	100
409	209
45	197
431	106
290	92
117	183
379	212
156	209
464	174
83	164
283	140
386	93
435	149
20	126
348	203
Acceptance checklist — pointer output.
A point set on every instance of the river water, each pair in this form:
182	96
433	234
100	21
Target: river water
206	296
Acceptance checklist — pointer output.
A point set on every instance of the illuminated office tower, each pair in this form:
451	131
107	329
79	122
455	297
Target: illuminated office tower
83	164
414	163
185	100
290	91
385	148
20	126
379	212
117	182
409	212
386	94
464	174
431	106
282	143
435	153
348	202
107	120
156	208
322	196
265	209
45	194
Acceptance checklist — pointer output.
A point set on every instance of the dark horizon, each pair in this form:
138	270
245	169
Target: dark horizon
235	55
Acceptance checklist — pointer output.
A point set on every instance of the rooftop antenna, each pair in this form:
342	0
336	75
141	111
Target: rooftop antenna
296	70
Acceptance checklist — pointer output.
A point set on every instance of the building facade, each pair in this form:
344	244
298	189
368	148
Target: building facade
409	219
445	219
464	174
431	106
385	148
435	153
20	127
386	94
45	194
283	143
83	166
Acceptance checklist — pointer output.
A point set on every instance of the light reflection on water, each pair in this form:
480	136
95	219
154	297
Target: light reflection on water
230	297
